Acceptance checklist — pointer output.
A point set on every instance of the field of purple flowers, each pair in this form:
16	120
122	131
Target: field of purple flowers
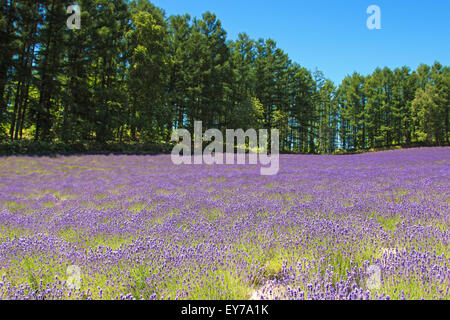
139	227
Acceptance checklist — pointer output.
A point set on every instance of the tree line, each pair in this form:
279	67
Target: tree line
133	75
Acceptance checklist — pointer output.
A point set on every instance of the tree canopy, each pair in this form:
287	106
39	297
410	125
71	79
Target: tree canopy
131	74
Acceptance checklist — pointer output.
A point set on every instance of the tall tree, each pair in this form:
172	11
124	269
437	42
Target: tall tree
352	104
8	47
148	73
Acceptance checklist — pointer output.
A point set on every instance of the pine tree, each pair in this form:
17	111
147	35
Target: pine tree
8	47
29	19
148	73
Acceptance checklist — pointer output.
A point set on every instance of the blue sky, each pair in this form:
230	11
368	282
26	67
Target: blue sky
332	35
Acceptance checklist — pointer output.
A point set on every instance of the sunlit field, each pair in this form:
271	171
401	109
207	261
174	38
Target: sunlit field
139	227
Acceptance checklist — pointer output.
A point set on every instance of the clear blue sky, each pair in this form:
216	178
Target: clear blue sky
332	35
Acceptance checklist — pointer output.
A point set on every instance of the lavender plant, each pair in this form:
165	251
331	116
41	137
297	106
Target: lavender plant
140	227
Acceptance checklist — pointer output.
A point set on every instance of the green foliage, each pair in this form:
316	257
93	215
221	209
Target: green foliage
131	75
33	147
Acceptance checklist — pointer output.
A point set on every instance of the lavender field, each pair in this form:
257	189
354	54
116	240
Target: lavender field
139	227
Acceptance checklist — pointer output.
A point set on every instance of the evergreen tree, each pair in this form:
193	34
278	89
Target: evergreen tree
148	73
131	74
